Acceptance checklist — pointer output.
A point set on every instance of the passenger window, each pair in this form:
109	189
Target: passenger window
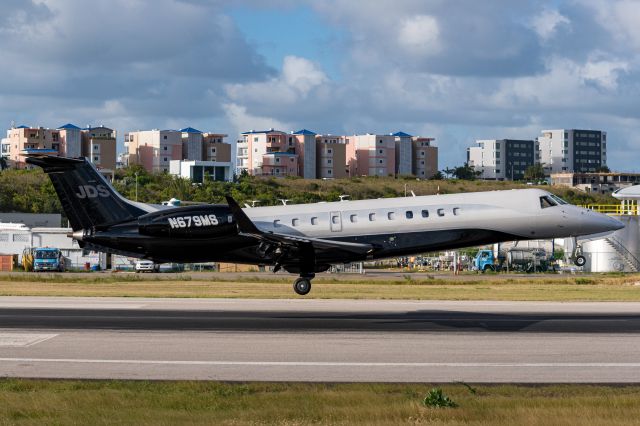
354	218
335	219
440	212
546	202
314	220
456	211
409	214
372	217
425	213
294	222
276	223
391	215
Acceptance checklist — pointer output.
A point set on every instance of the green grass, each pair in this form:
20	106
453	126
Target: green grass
595	287
35	402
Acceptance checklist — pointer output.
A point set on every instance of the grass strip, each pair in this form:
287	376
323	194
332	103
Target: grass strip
536	288
31	402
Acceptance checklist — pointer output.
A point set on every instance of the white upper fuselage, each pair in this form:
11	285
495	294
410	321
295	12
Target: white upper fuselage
516	212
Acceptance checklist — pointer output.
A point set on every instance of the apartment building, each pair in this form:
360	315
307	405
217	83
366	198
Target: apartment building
404	154
331	152
371	155
573	150
201	146
154	149
98	144
503	159
425	157
257	148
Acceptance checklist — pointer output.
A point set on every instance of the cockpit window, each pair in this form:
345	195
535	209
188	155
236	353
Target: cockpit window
558	200
546	202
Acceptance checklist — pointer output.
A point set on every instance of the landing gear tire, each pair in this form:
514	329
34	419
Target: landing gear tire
580	260
302	286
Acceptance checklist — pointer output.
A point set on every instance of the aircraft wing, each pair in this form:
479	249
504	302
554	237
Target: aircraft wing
248	228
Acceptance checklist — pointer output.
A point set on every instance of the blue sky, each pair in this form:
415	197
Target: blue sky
457	71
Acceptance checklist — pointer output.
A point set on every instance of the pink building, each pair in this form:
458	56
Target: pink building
257	148
154	149
280	164
371	155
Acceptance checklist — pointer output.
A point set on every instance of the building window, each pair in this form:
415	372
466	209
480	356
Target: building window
425	213
329	161
329	171
164	137
164	159
372	217
354	218
329	151
381	161
314	220
391	215
440	212
380	151
164	148
96	158
23	238
409	214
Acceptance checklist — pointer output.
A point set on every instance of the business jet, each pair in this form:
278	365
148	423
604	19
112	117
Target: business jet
308	238
629	193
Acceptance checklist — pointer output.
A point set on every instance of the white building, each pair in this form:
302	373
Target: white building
573	150
197	170
502	159
242	156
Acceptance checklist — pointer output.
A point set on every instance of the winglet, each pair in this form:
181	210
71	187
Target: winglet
245	225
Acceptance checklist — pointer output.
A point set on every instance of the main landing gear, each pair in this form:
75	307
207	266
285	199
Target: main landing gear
302	285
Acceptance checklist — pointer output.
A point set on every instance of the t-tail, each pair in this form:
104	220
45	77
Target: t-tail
88	199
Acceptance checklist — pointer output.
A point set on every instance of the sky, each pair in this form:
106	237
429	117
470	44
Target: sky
456	70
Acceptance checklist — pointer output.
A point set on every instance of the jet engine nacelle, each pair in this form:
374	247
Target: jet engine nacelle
193	222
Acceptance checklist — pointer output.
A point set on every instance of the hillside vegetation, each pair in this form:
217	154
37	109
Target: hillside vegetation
30	191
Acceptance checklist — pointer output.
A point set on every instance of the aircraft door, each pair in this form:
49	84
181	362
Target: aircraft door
335	221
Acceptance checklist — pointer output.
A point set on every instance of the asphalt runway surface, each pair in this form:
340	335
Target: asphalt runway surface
319	340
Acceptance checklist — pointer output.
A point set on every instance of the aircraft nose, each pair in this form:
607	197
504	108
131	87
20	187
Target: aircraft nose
595	223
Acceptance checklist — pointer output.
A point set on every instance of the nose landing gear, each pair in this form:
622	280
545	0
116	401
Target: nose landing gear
302	285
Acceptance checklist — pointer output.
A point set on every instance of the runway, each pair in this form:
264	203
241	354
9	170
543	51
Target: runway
319	340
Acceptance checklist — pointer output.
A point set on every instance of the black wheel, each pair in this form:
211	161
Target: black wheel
580	260
302	286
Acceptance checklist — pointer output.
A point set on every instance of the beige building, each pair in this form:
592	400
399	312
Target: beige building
215	148
99	146
425	157
331	152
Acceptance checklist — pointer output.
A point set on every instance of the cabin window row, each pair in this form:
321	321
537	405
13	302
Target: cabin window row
409	214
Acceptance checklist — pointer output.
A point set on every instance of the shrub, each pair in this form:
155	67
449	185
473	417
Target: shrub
436	399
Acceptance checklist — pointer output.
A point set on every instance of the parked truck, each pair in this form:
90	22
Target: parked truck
48	259
485	261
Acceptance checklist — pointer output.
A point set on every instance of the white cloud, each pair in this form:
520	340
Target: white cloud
299	77
603	73
242	121
420	35
302	74
546	23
